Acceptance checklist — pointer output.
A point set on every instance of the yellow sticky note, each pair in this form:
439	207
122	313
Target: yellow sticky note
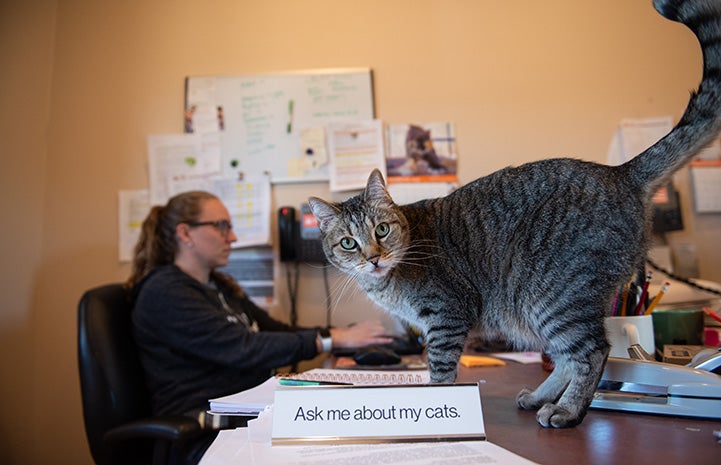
480	361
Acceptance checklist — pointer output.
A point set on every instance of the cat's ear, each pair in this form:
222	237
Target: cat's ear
376	188
324	211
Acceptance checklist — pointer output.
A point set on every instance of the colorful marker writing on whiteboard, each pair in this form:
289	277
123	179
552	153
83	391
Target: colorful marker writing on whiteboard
290	116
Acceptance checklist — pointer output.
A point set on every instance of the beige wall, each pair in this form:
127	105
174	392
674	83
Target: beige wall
27	36
84	82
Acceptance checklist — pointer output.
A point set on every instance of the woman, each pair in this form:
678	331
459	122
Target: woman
199	335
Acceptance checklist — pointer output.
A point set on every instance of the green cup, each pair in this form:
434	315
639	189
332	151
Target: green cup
678	327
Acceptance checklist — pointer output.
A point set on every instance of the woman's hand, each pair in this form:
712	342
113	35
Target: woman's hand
360	334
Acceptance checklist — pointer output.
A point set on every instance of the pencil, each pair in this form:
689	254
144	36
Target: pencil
655	300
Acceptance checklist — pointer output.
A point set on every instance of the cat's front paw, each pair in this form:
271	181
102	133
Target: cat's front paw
551	415
527	400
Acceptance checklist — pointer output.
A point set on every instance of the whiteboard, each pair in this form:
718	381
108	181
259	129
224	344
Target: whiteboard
275	123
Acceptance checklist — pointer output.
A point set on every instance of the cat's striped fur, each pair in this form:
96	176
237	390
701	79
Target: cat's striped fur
533	253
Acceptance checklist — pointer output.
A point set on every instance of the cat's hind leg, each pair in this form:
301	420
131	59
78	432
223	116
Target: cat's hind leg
547	392
585	373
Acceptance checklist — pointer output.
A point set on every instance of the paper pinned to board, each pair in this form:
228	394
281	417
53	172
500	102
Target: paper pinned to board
354	150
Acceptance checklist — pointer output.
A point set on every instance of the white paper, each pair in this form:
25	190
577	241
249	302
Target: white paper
706	185
451	453
312	145
404	193
252	400
355	149
181	162
234	446
248	202
205	119
225	447
201	91
133	207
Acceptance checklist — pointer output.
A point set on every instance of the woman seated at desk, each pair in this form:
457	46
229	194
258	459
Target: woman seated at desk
199	336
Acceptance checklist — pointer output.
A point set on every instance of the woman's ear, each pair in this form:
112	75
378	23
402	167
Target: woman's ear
182	232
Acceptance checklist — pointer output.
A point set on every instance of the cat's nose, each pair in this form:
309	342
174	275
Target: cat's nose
374	259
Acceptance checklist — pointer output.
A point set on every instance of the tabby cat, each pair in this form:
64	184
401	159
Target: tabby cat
531	254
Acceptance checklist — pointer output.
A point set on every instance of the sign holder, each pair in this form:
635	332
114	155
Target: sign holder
377	414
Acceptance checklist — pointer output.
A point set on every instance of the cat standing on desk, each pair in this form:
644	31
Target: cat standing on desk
533	254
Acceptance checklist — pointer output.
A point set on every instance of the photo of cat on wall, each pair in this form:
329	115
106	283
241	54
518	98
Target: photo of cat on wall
421	153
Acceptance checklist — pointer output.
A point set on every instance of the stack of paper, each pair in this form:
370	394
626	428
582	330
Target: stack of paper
248	402
257	399
243	445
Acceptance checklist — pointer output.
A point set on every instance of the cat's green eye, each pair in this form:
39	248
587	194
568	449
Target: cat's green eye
382	230
348	243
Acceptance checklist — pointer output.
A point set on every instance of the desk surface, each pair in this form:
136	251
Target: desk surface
604	437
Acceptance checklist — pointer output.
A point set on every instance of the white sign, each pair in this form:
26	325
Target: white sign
332	414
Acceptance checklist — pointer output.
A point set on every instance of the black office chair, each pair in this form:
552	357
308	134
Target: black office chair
116	402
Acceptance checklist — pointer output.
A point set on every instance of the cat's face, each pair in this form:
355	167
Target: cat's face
366	236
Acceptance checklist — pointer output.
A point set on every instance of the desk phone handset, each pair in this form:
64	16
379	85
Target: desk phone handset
299	240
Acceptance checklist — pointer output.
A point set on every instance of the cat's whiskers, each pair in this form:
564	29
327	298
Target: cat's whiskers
416	254
338	291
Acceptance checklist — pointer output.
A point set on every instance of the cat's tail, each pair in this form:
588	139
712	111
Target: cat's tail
701	122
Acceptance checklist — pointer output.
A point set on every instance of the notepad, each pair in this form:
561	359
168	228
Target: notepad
363	378
253	401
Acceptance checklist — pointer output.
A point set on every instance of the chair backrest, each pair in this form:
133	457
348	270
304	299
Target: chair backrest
111	376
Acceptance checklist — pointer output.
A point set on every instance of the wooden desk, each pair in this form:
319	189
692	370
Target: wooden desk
603	438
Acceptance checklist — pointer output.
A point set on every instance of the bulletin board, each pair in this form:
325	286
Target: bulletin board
274	123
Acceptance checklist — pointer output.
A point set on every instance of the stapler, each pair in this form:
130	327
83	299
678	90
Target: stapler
642	385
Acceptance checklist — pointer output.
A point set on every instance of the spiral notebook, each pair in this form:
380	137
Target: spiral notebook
253	401
363	378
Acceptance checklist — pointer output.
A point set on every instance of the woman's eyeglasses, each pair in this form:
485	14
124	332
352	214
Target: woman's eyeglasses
223	226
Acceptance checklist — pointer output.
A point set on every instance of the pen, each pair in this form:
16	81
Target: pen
655	300
614	306
624	299
644	293
711	313
309	382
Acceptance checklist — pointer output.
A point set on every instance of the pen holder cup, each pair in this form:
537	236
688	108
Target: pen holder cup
624	331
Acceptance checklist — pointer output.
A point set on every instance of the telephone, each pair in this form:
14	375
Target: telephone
299	240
